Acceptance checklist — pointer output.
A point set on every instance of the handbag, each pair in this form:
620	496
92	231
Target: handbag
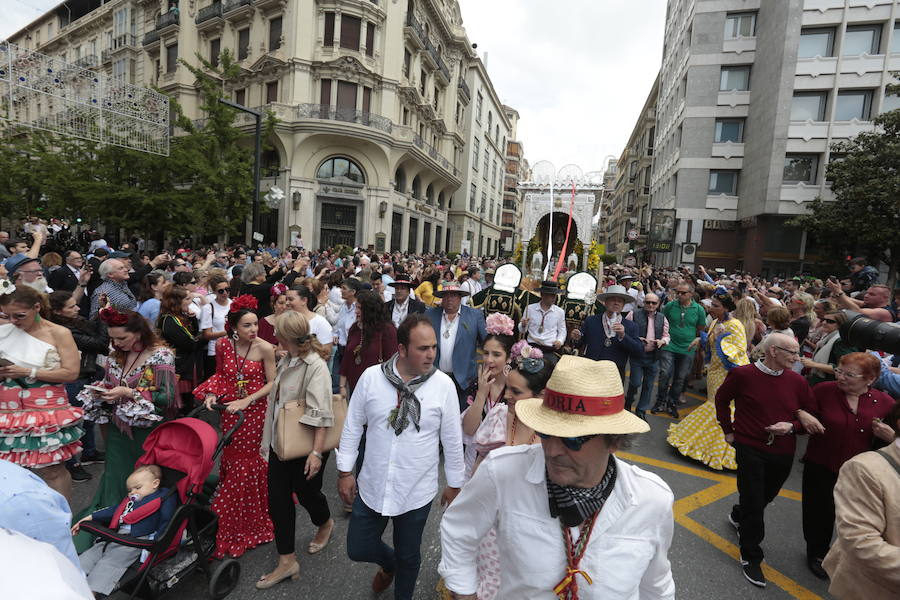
295	439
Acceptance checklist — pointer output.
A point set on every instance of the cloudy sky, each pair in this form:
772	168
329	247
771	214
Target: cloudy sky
578	71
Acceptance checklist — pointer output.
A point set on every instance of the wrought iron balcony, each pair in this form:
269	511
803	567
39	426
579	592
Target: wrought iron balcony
105	56
413	24
150	37
464	88
432	152
87	61
208	12
332	113
230	5
168	18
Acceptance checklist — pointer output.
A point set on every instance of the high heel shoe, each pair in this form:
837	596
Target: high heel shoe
315	547
293	573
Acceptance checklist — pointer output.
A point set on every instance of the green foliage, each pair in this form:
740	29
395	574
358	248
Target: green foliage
864	217
204	185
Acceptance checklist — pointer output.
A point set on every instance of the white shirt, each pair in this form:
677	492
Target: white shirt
447	341
626	556
346	318
400	472
398	314
212	316
320	326
545	327
471	286
638	296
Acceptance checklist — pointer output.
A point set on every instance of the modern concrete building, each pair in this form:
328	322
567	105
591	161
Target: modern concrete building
630	196
375	101
475	212
515	170
752	95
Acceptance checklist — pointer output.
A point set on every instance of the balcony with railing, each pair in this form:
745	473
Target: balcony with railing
414	30
88	61
126	40
346	115
151	37
464	88
213	11
236	8
167	19
438	61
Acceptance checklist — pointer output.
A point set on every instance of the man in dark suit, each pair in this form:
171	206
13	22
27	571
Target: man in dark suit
72	277
402	305
608	336
460	331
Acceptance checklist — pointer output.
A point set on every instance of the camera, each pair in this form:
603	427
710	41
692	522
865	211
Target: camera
870	334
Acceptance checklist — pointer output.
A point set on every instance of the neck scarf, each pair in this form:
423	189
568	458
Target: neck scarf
408	406
823	350
575	505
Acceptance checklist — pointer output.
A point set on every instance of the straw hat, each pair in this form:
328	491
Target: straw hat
615	291
583	397
451	287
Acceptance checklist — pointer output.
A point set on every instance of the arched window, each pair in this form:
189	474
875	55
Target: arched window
429	194
490	122
400	181
441	201
417	187
340	167
270	163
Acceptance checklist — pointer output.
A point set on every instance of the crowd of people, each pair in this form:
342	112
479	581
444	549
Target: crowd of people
521	388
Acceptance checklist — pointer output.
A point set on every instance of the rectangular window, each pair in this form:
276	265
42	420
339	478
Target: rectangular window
370	39
808	106
473	192
487	162
215	48
735	78
407	62
853	104
171	58
478	106
723	182
350	27
271	92
890	102
423	81
275	34
325	94
413	234
476	152
740	25
346	96
730	130
800	168
329	29
861	39
240	97
243	43
895	39
367	100
816	42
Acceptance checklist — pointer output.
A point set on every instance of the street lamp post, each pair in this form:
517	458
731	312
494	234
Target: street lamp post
257	151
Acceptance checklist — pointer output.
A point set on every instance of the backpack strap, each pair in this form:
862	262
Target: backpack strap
890	460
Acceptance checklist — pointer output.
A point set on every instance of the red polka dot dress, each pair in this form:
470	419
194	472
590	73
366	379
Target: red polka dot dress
241	498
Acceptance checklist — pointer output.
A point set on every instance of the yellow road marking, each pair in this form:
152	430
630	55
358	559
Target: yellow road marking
726	486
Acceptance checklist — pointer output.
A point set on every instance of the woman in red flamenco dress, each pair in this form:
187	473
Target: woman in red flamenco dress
245	370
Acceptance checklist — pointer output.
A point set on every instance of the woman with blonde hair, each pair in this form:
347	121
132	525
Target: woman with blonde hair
746	313
302	373
803	318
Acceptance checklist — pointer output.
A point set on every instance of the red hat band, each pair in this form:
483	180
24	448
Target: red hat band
590	406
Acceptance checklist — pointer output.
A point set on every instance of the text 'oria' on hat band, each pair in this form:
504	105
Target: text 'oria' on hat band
592	406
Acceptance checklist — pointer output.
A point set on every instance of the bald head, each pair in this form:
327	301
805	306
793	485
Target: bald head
651	302
781	351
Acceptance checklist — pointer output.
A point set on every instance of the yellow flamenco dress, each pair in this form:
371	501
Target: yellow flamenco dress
699	435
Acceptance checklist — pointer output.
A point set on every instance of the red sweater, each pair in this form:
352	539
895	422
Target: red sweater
379	349
761	400
846	434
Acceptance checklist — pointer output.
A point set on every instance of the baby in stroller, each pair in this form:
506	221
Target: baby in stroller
144	513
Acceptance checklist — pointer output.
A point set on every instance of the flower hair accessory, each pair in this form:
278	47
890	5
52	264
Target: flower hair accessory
499	324
112	317
243	302
277	290
6	287
527	358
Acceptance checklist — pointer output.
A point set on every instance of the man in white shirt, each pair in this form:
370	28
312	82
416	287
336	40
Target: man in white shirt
346	318
410	410
402	304
541	500
544	323
471	285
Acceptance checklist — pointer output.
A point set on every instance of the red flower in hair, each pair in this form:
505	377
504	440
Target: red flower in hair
242	302
113	318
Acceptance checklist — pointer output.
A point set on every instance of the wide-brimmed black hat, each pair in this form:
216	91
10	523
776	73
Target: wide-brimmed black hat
548	287
401	279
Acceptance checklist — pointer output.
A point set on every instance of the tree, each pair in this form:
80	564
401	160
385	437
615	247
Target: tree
864	217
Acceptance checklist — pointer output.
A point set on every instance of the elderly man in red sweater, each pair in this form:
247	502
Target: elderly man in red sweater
766	397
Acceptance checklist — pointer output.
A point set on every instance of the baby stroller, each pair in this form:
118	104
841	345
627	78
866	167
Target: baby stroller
186	450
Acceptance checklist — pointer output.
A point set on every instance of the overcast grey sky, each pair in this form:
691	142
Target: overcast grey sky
578	71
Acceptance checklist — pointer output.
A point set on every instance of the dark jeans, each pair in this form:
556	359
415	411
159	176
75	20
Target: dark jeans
674	368
818	509
760	476
643	375
88	445
335	369
364	544
285	478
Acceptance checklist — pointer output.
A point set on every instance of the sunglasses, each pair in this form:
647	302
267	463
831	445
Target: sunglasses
832	321
222	291
650	302
572	443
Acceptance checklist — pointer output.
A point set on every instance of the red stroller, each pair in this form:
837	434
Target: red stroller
186	450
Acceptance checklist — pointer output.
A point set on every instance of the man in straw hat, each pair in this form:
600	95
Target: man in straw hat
577	523
608	336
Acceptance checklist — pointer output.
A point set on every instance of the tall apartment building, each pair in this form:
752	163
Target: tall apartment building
373	98
630	199
475	213
516	170
752	95
605	225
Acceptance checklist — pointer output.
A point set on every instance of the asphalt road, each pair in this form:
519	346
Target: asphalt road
703	552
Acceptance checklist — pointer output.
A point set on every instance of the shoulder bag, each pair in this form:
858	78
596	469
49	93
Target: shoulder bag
295	439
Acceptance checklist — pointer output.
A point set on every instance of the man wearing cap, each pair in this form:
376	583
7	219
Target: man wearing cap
544	323
571	520
402	304
637	296
608	336
460	331
25	270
